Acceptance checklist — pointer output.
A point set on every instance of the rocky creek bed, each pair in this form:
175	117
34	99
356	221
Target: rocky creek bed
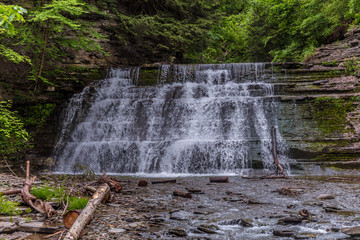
297	207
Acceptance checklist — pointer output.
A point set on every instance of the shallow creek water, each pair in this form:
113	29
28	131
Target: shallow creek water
153	213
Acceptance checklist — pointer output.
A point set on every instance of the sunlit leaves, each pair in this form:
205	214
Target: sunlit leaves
8	15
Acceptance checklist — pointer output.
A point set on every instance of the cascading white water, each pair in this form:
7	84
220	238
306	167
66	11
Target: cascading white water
198	119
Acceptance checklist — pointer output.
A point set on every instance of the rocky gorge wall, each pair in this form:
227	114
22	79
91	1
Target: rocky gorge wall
318	112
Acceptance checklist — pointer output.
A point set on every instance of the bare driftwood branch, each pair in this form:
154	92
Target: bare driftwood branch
274	152
11	192
87	212
163	181
112	182
32	201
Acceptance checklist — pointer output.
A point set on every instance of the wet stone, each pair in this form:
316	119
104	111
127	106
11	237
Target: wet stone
6	227
351	231
181	215
210	229
37	227
285	232
290	220
240	222
117	230
178	232
325	196
330	208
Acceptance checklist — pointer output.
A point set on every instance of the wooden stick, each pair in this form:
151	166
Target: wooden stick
274	151
11	192
87	213
163	181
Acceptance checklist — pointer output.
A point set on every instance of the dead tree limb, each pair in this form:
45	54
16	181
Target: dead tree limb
274	152
163	181
87	213
11	192
31	200
112	182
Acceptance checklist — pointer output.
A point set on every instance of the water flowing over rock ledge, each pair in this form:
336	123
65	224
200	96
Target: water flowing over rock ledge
294	87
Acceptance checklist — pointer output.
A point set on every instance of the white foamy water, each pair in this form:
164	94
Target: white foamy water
197	119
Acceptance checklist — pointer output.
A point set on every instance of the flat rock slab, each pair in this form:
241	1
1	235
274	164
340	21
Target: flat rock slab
117	230
352	231
325	196
284	232
7	227
290	220
37	227
15	236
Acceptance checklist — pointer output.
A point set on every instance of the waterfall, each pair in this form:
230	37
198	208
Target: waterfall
196	119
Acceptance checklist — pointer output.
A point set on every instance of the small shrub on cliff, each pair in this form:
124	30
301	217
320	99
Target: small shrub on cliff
352	67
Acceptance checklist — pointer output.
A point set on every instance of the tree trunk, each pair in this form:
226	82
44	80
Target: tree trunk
87	213
70	217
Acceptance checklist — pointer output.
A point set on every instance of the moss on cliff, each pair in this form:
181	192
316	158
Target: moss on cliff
331	112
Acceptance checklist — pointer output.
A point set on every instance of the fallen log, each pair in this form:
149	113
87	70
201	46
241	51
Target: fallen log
93	190
70	217
183	194
219	179
87	212
112	182
164	181
274	152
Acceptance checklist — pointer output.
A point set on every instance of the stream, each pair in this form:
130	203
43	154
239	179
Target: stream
240	209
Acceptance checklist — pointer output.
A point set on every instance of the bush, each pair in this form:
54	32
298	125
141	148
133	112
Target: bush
8	207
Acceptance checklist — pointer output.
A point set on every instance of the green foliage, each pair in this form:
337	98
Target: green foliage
58	194
35	116
13	136
331	113
8	15
281	30
330	64
8	207
53	31
47	192
77	203
352	67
